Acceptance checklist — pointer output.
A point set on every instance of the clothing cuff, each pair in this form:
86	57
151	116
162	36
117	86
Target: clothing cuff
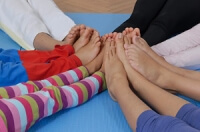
76	59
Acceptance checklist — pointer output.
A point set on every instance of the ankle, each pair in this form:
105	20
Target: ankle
164	78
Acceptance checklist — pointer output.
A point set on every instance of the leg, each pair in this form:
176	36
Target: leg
65	78
175	17
118	86
21	112
56	21
144	87
59	51
192	52
185	58
180	42
10	55
160	75
12	73
144	12
139	115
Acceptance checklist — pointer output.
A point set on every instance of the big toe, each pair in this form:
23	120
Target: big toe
119	40
95	35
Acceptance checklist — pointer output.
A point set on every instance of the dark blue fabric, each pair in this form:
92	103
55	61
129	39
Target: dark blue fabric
10	55
12	73
11	69
150	121
190	114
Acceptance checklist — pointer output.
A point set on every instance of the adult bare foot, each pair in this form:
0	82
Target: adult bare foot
88	52
83	39
114	69
145	65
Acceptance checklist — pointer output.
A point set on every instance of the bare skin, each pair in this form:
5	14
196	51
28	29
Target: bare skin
159	75
145	47
158	98
96	64
74	34
129	32
78	29
83	39
118	87
43	41
88	52
111	35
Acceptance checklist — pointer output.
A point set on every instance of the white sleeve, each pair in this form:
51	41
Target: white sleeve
20	22
56	21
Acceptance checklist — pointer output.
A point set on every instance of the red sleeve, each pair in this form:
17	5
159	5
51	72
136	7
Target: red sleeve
37	56
38	71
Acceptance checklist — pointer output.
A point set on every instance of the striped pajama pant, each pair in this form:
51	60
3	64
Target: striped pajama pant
24	104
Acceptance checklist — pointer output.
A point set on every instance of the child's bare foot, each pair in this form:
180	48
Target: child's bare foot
83	39
107	42
73	35
145	65
88	52
114	69
96	64
120	40
111	35
130	32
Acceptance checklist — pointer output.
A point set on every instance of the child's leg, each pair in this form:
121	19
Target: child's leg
10	55
152	94
162	73
175	17
12	73
56	21
189	57
65	78
180	42
39	71
21	112
183	58
19	21
190	114
138	114
37	56
143	13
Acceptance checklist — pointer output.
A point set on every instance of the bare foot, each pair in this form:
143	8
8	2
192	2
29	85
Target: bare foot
96	64
88	52
120	40
145	65
73	35
83	39
111	35
107	42
114	69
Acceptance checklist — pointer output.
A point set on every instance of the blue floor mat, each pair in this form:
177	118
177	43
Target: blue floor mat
100	114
